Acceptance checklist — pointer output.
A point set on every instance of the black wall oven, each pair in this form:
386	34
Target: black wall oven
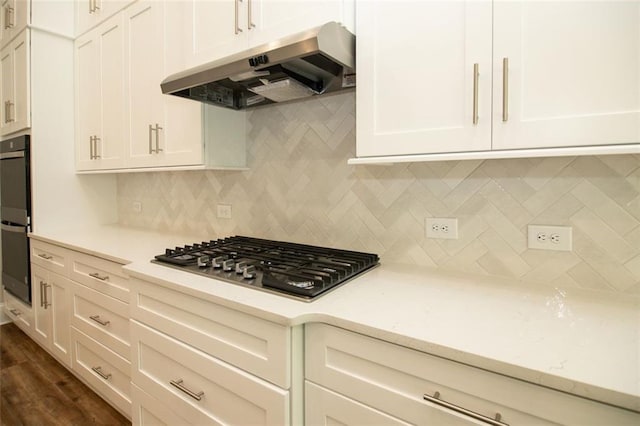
15	215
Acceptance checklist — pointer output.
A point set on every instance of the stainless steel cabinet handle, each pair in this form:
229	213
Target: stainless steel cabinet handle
41	294
98	276
435	399
9	17
476	75
99	372
92	154
195	395
97	319
250	23
15	312
6	17
150	143
238	29
6	109
46	298
45	256
157	129
90	6
96	139
505	89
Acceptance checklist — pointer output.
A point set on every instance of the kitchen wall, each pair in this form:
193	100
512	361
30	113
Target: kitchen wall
300	188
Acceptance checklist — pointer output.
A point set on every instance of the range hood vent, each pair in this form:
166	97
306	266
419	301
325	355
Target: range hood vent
315	62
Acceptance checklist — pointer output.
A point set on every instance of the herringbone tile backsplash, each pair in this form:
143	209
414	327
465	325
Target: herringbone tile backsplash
299	188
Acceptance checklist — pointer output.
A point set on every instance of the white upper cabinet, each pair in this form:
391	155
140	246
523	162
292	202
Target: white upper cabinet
15	112
553	77
163	130
100	81
90	13
573	73
14	18
417	86
221	28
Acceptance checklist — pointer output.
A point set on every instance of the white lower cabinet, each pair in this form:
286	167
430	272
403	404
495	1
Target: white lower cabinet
50	303
402	383
147	410
200	388
107	372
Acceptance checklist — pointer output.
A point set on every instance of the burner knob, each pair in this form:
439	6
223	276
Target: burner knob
249	272
169	252
240	267
217	261
204	261
227	265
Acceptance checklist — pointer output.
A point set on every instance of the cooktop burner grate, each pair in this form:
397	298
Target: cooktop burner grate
297	270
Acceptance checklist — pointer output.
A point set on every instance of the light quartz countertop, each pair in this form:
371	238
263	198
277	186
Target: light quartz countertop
581	342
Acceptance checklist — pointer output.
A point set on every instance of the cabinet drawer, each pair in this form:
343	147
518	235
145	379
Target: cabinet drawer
103	318
103	369
324	407
201	388
394	379
146	410
255	345
100	274
20	314
52	257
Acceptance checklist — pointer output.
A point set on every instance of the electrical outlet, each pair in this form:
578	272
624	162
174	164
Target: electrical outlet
224	211
546	237
136	206
443	227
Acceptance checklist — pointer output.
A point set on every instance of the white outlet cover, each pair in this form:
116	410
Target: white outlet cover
224	211
441	227
558	238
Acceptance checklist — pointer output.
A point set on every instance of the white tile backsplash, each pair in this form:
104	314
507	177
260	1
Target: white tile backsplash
300	188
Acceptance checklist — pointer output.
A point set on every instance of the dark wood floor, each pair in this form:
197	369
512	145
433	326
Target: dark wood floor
37	390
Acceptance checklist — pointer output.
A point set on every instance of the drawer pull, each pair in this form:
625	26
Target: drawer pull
99	277
195	395
97	319
45	256
435	399
99	372
15	312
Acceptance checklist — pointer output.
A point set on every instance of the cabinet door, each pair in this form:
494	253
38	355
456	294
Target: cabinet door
87	54
39	302
268	20
15	85
163	130
14	18
110	145
417	85
90	13
573	73
218	29
58	295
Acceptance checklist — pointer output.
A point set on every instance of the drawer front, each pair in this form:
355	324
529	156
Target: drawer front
250	343
324	407
104	370
394	379
200	388
52	257
103	318
146	410
101	275
20	314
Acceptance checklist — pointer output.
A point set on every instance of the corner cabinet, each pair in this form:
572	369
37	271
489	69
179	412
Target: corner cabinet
496	79
15	111
124	122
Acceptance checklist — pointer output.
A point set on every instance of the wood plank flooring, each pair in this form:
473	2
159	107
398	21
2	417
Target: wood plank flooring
37	390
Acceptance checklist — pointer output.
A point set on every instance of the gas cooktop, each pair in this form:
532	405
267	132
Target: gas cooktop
295	270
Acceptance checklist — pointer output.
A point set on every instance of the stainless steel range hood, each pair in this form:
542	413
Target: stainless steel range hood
315	62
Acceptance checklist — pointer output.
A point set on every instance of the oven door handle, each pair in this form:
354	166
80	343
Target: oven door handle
19	229
12	154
